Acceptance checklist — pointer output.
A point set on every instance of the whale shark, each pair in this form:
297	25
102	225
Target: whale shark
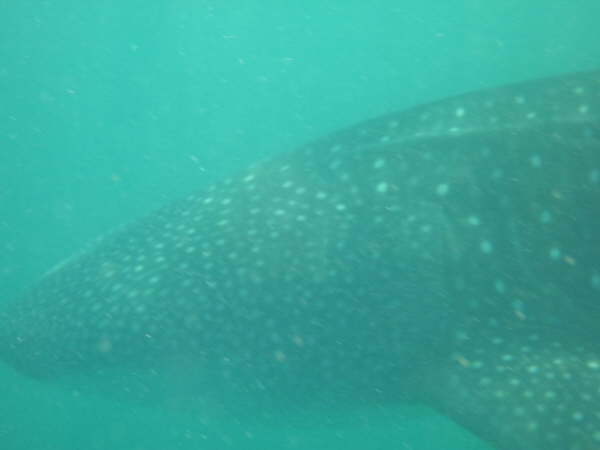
446	254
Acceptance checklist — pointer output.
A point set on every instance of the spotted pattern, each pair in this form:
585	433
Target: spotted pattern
537	392
447	252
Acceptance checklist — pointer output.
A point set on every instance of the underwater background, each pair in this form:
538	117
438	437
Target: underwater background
109	109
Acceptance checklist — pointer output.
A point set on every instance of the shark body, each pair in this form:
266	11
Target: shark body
448	254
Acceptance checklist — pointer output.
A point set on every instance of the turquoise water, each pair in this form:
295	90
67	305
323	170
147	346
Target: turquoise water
110	109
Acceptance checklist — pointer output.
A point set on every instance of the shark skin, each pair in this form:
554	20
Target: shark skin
446	254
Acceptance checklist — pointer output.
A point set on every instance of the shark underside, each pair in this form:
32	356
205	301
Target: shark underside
447	254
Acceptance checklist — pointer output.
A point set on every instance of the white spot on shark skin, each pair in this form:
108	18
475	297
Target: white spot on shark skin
393	124
459	112
530	115
593	364
287	184
555	254
594	176
536	161
249	178
519	411
382	187
335	164
497	174
583	109
379	163
442	189
321	195
595	281
519	100
500	393
486	247
545	217
500	286
426	228
485	381
474	221
578	90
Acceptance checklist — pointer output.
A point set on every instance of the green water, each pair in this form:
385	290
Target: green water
109	109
